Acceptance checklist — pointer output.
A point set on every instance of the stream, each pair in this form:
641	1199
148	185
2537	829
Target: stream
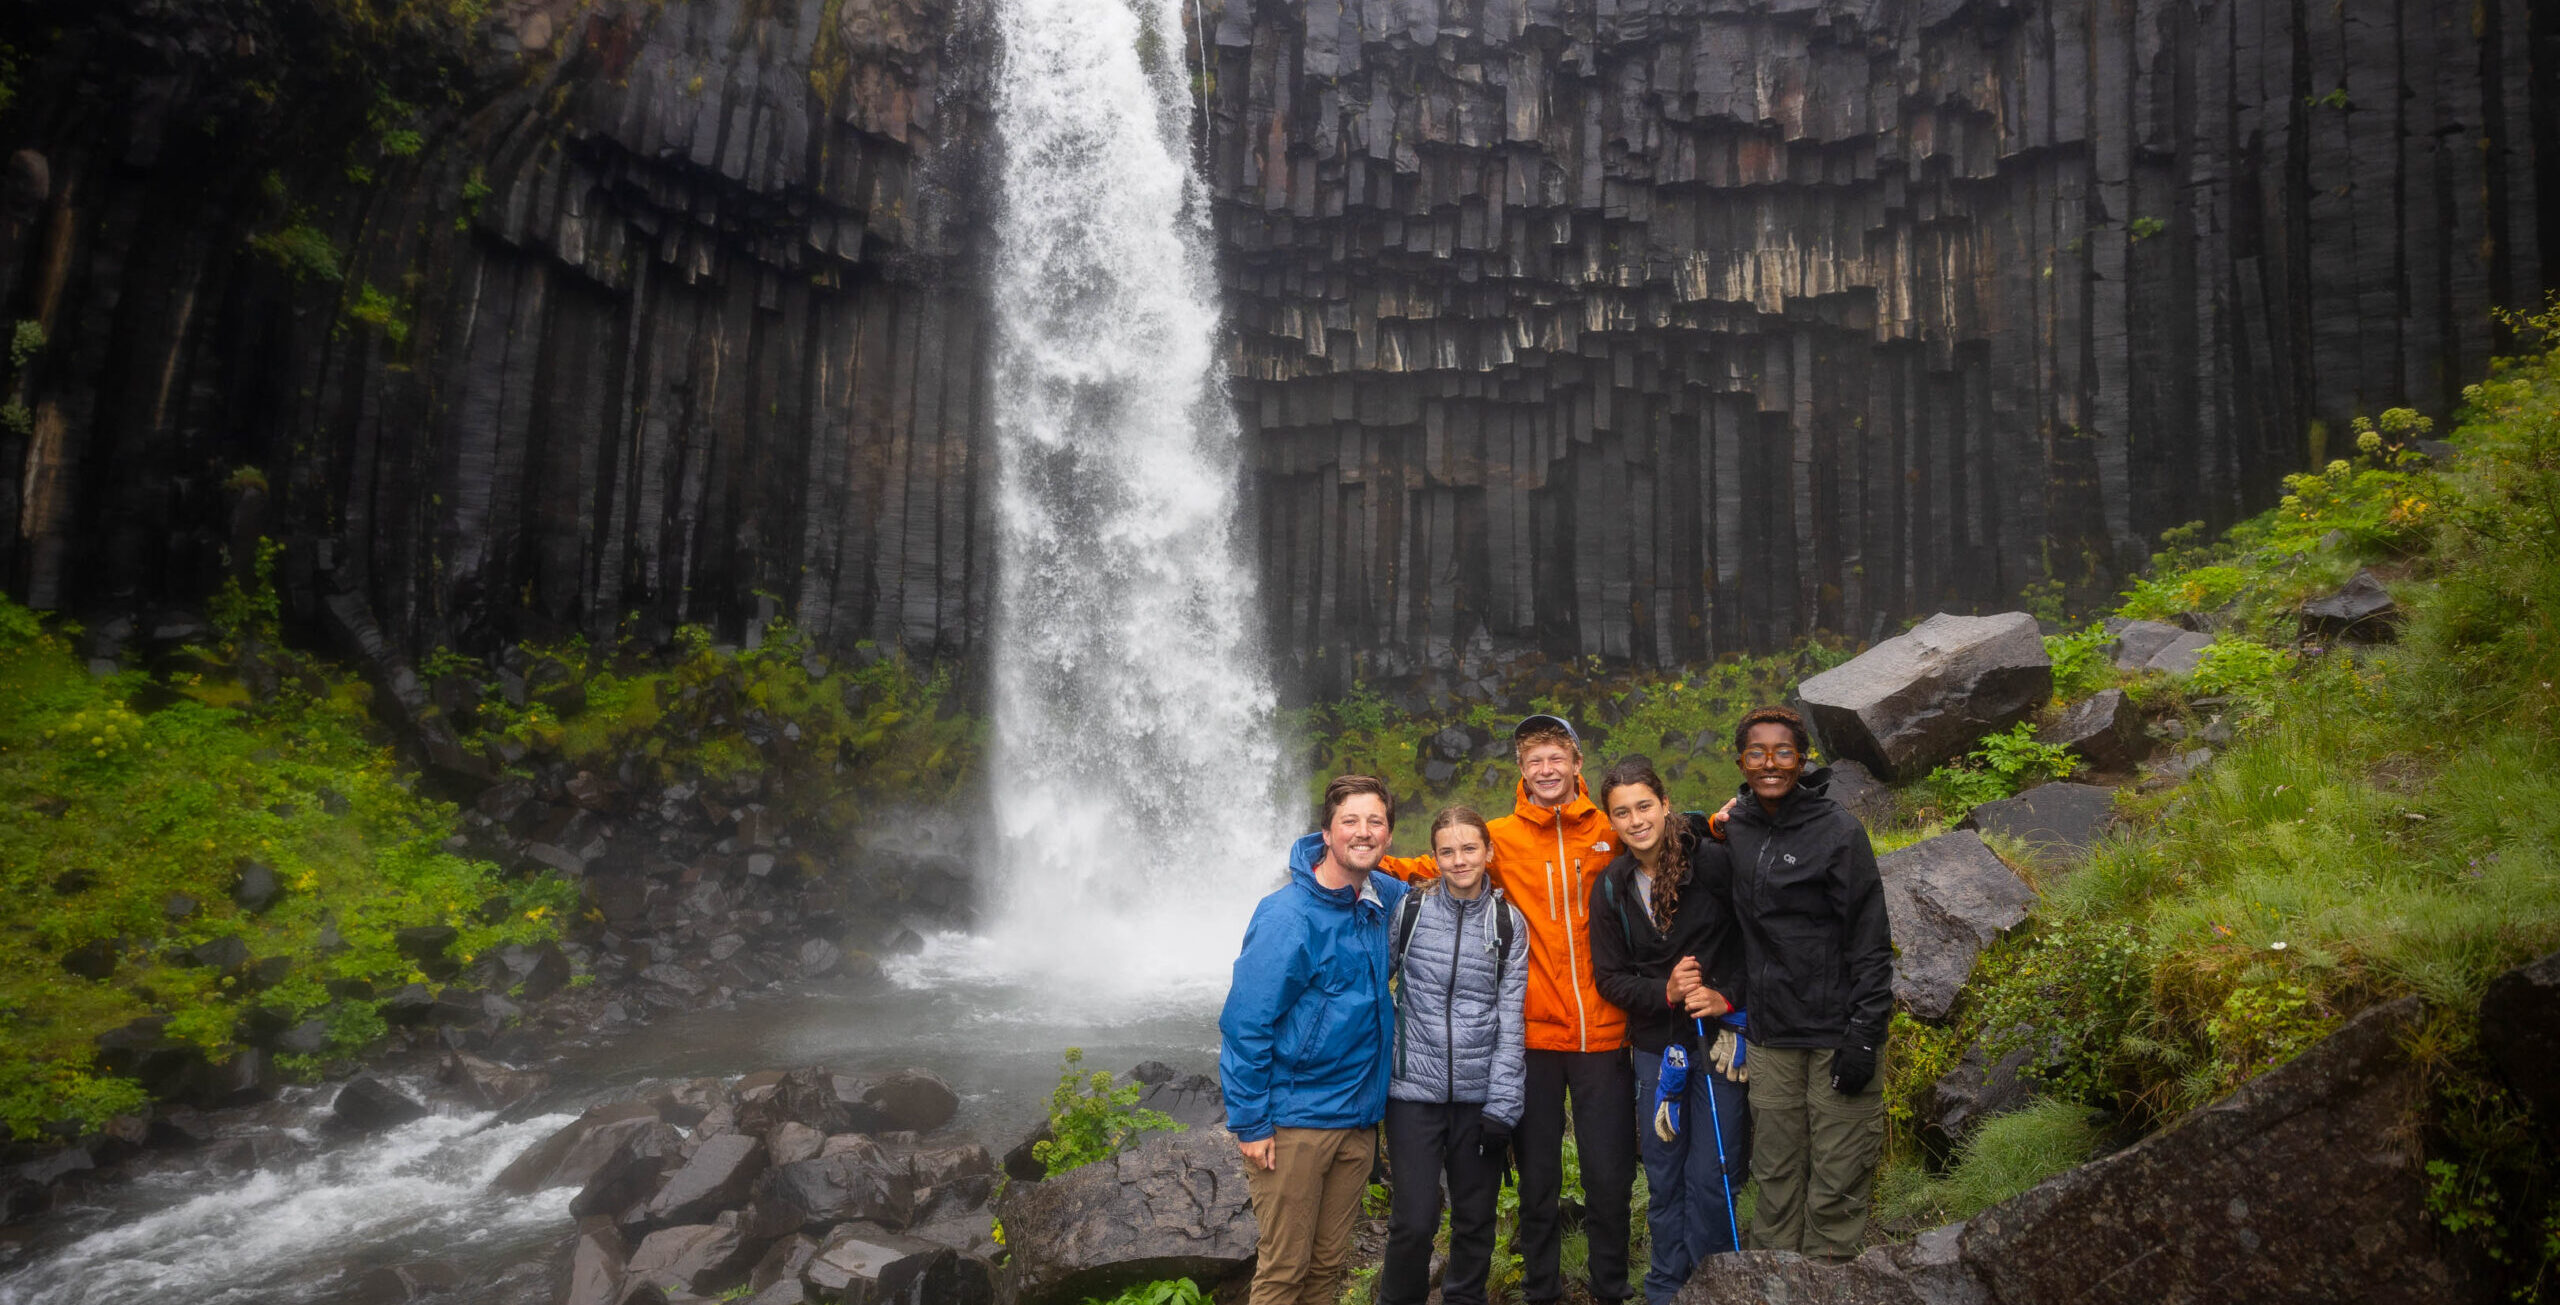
306	1229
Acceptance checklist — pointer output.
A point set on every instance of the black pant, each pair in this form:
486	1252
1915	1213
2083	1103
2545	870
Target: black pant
1424	1141
1603	1087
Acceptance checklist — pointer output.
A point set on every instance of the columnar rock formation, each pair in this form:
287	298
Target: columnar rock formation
674	308
1659	328
1647	328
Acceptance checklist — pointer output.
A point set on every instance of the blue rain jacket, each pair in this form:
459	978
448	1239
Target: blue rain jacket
1308	1026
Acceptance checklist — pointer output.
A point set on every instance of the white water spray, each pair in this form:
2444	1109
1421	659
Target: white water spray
1134	758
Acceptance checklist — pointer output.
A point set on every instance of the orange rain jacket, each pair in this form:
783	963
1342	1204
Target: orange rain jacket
1545	862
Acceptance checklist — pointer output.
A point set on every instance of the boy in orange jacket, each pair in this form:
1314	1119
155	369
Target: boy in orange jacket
1546	855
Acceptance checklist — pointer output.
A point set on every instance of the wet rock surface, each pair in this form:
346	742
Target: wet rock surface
2104	730
1948	898
1923	697
2361	610
2058	822
1175	1206
2520	1033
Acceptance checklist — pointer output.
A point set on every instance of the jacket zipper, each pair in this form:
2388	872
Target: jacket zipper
1449	1007
1572	955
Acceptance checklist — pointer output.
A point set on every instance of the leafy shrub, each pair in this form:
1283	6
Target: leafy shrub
302	251
1171	1291
1090	1119
2004	764
2242	669
2163	597
2080	663
381	312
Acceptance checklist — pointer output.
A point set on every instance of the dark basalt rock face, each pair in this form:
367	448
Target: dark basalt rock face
1660	328
1648	328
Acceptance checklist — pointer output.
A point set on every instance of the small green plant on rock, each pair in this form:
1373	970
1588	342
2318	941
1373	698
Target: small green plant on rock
2004	764
1091	1119
1169	1291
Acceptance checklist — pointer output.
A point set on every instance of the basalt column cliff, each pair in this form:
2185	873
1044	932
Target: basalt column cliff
1643	328
1659	328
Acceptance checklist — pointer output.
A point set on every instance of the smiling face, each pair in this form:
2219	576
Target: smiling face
1548	770
1461	851
1640	816
1356	838
1771	761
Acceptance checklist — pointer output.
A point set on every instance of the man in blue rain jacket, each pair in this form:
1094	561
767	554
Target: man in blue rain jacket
1304	1043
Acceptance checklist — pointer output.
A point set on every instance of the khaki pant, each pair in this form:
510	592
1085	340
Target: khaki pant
1814	1153
1306	1207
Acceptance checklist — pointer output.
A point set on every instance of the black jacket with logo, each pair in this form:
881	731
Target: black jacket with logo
1817	948
1630	958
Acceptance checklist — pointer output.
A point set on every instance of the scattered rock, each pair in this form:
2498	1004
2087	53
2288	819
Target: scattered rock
487	1084
720	1174
858	1181
913	1100
668	974
864	1262
2060	822
2181	655
369	1105
95	959
1948	897
819	957
591	1273
2103	730
1173	1207
703	1257
792	1141
2520	1033
802	1096
1192	1100
534	971
409	1005
1977	1089
2362	611
571	1156
257	887
1920	698
1856	788
225	953
2183	766
2137	642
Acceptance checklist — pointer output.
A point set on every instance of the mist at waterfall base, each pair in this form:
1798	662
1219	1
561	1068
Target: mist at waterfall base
1134	763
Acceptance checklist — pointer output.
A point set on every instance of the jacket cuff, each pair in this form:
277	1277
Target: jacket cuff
1715	825
1252	1132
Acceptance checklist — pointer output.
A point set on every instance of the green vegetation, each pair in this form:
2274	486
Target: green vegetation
2144	228
381	312
1171	1291
144	798
820	743
2009	1155
2382	824
1091	1119
302	251
2004	764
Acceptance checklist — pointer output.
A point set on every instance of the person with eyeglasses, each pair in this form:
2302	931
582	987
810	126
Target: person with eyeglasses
1818	963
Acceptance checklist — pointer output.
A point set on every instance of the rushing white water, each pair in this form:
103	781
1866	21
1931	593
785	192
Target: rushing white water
1134	759
299	1232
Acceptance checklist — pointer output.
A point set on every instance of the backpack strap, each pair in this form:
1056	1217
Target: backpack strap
1502	936
1609	888
1408	913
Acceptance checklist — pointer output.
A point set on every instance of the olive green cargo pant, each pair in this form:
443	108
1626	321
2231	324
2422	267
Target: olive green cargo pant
1814	1154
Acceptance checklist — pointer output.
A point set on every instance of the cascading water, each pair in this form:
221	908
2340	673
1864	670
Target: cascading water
1134	759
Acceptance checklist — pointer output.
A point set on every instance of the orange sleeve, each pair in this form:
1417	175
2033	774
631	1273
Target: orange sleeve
1411	869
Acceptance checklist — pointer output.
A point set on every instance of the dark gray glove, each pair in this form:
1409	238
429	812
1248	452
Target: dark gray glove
1853	1066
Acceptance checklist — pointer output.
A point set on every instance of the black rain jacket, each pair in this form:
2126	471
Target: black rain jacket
1631	959
1817	948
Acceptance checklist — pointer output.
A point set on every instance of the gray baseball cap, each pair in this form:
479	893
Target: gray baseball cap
1544	722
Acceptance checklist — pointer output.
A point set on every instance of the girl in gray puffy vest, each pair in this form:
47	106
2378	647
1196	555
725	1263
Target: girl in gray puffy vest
1461	955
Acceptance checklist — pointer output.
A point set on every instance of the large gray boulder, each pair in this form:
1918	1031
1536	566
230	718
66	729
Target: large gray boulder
1948	897
572	1156
2134	643
2302	1186
1922	697
2058	822
1979	1088
2104	730
718	1175
865	1262
1173	1207
2361	610
852	1179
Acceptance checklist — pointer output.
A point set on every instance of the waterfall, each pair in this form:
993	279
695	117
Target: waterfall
1134	760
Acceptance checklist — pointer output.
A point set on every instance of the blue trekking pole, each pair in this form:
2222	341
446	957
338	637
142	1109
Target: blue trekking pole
1715	1122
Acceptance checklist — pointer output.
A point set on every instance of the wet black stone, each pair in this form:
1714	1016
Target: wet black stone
256	888
91	960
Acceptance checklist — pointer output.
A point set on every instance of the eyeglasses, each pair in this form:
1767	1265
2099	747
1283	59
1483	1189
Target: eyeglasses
1763	756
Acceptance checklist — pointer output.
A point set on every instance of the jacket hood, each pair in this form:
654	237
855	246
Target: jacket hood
1808	799
1525	807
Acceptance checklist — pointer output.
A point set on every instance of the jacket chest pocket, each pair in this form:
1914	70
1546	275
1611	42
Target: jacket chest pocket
1793	884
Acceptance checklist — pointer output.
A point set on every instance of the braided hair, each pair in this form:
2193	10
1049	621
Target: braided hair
1671	873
